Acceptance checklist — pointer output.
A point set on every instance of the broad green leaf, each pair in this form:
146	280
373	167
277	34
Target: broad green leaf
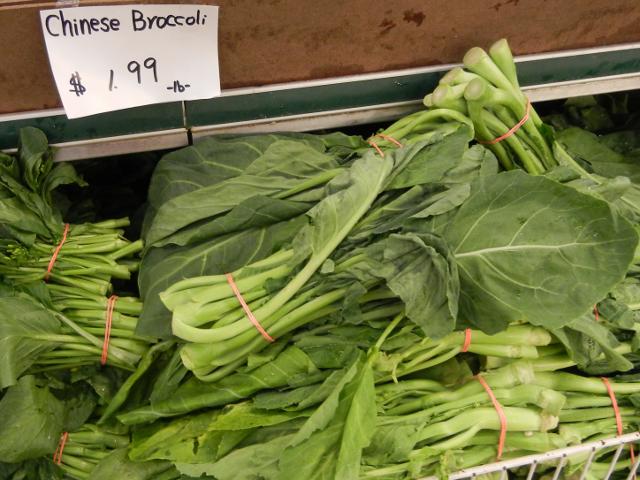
390	213
31	469
170	377
194	395
259	461
329	445
420	269
601	159
359	425
285	165
9	166
33	153
25	327
16	216
445	201
143	366
323	415
211	161
530	249
254	212
31	421
624	142
586	341
179	440
436	157
61	174
351	195
206	437
117	465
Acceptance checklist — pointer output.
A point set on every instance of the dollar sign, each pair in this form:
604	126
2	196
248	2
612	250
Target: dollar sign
78	88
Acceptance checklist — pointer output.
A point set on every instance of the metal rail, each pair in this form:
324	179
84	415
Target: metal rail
319	104
558	457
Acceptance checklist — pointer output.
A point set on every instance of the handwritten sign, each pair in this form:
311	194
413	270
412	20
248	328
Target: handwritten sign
115	57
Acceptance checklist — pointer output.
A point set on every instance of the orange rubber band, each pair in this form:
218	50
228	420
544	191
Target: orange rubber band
467	340
616	412
57	455
247	310
499	411
389	139
596	313
111	302
512	130
375	145
54	256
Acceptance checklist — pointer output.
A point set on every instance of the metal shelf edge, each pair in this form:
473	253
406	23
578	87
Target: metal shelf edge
119	145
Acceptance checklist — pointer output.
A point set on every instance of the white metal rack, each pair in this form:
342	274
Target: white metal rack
558	458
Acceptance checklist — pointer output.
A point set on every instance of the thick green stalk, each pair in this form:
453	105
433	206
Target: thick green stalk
511	375
568	382
518	420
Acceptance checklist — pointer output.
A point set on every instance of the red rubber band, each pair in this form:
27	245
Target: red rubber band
375	145
499	411
614	404
616	412
389	138
247	310
467	340
111	302
512	130
57	455
54	256
596	313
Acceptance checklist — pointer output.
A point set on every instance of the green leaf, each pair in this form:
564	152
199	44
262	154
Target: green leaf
259	461
446	201
586	342
13	213
31	469
31	421
601	159
143	366
284	165
117	465
24	326
254	212
329	445
193	395
62	174
210	161
435	159
529	249
420	269
34	157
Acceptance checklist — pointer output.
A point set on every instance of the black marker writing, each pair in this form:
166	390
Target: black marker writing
56	24
142	22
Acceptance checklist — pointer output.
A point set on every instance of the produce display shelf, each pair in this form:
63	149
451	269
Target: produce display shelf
558	458
312	105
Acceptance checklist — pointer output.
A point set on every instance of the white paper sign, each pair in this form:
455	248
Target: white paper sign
110	58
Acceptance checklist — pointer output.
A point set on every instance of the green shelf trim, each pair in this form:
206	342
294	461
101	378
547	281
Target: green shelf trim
298	99
380	91
59	128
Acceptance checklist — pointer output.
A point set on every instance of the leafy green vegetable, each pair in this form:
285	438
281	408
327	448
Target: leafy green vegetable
26	331
162	267
193	395
117	465
530	249
31	421
598	157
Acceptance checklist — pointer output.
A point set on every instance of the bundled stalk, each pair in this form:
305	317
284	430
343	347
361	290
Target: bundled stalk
81	451
63	274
